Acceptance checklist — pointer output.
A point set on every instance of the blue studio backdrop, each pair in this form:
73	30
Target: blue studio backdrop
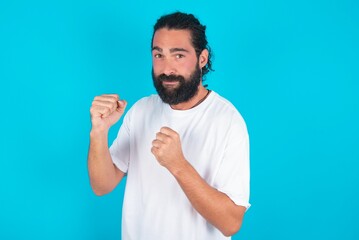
290	67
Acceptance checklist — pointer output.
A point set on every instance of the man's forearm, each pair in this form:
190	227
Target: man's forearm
103	174
216	207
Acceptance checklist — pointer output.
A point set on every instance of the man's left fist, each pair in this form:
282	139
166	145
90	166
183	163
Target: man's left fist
167	148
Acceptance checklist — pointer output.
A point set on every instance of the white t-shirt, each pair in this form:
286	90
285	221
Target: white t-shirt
214	140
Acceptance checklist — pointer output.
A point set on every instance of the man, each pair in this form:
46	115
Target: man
185	151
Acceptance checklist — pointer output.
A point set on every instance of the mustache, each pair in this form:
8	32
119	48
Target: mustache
170	78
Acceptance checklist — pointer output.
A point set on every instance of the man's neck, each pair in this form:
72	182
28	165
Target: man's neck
194	101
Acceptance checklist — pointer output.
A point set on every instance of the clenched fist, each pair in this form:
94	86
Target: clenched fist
167	149
106	110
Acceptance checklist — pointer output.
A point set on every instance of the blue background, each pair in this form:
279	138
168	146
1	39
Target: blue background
290	67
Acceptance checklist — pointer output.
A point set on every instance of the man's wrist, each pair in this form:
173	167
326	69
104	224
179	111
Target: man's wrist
98	132
182	167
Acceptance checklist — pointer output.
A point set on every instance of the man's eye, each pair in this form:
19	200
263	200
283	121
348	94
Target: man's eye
157	55
179	56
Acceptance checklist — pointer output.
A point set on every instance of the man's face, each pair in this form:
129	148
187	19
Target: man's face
176	71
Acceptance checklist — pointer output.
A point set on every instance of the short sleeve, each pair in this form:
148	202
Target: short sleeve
233	175
120	148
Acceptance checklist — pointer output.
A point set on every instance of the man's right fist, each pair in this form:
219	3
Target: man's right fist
106	110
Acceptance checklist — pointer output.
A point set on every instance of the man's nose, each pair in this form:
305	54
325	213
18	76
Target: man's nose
169	68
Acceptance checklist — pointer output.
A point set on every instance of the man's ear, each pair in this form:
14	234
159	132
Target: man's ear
203	58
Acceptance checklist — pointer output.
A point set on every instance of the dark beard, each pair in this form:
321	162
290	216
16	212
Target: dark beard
186	90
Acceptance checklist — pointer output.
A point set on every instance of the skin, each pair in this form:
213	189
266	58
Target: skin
105	111
172	53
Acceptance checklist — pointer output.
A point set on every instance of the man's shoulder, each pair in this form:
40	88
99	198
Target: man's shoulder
226	111
143	106
148	100
224	104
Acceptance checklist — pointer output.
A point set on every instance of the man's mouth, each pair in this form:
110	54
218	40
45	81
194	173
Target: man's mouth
170	83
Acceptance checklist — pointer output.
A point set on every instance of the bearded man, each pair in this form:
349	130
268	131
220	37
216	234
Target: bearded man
184	152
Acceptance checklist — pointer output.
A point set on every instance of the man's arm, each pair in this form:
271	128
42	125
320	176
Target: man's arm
216	207
104	175
105	111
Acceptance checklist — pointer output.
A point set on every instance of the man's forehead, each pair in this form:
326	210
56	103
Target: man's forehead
172	38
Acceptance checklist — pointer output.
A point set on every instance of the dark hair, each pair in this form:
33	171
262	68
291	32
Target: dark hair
183	21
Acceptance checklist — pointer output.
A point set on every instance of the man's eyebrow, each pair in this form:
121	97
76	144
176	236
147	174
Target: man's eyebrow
157	48
172	50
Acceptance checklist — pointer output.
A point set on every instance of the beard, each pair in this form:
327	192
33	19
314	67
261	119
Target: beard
186	89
